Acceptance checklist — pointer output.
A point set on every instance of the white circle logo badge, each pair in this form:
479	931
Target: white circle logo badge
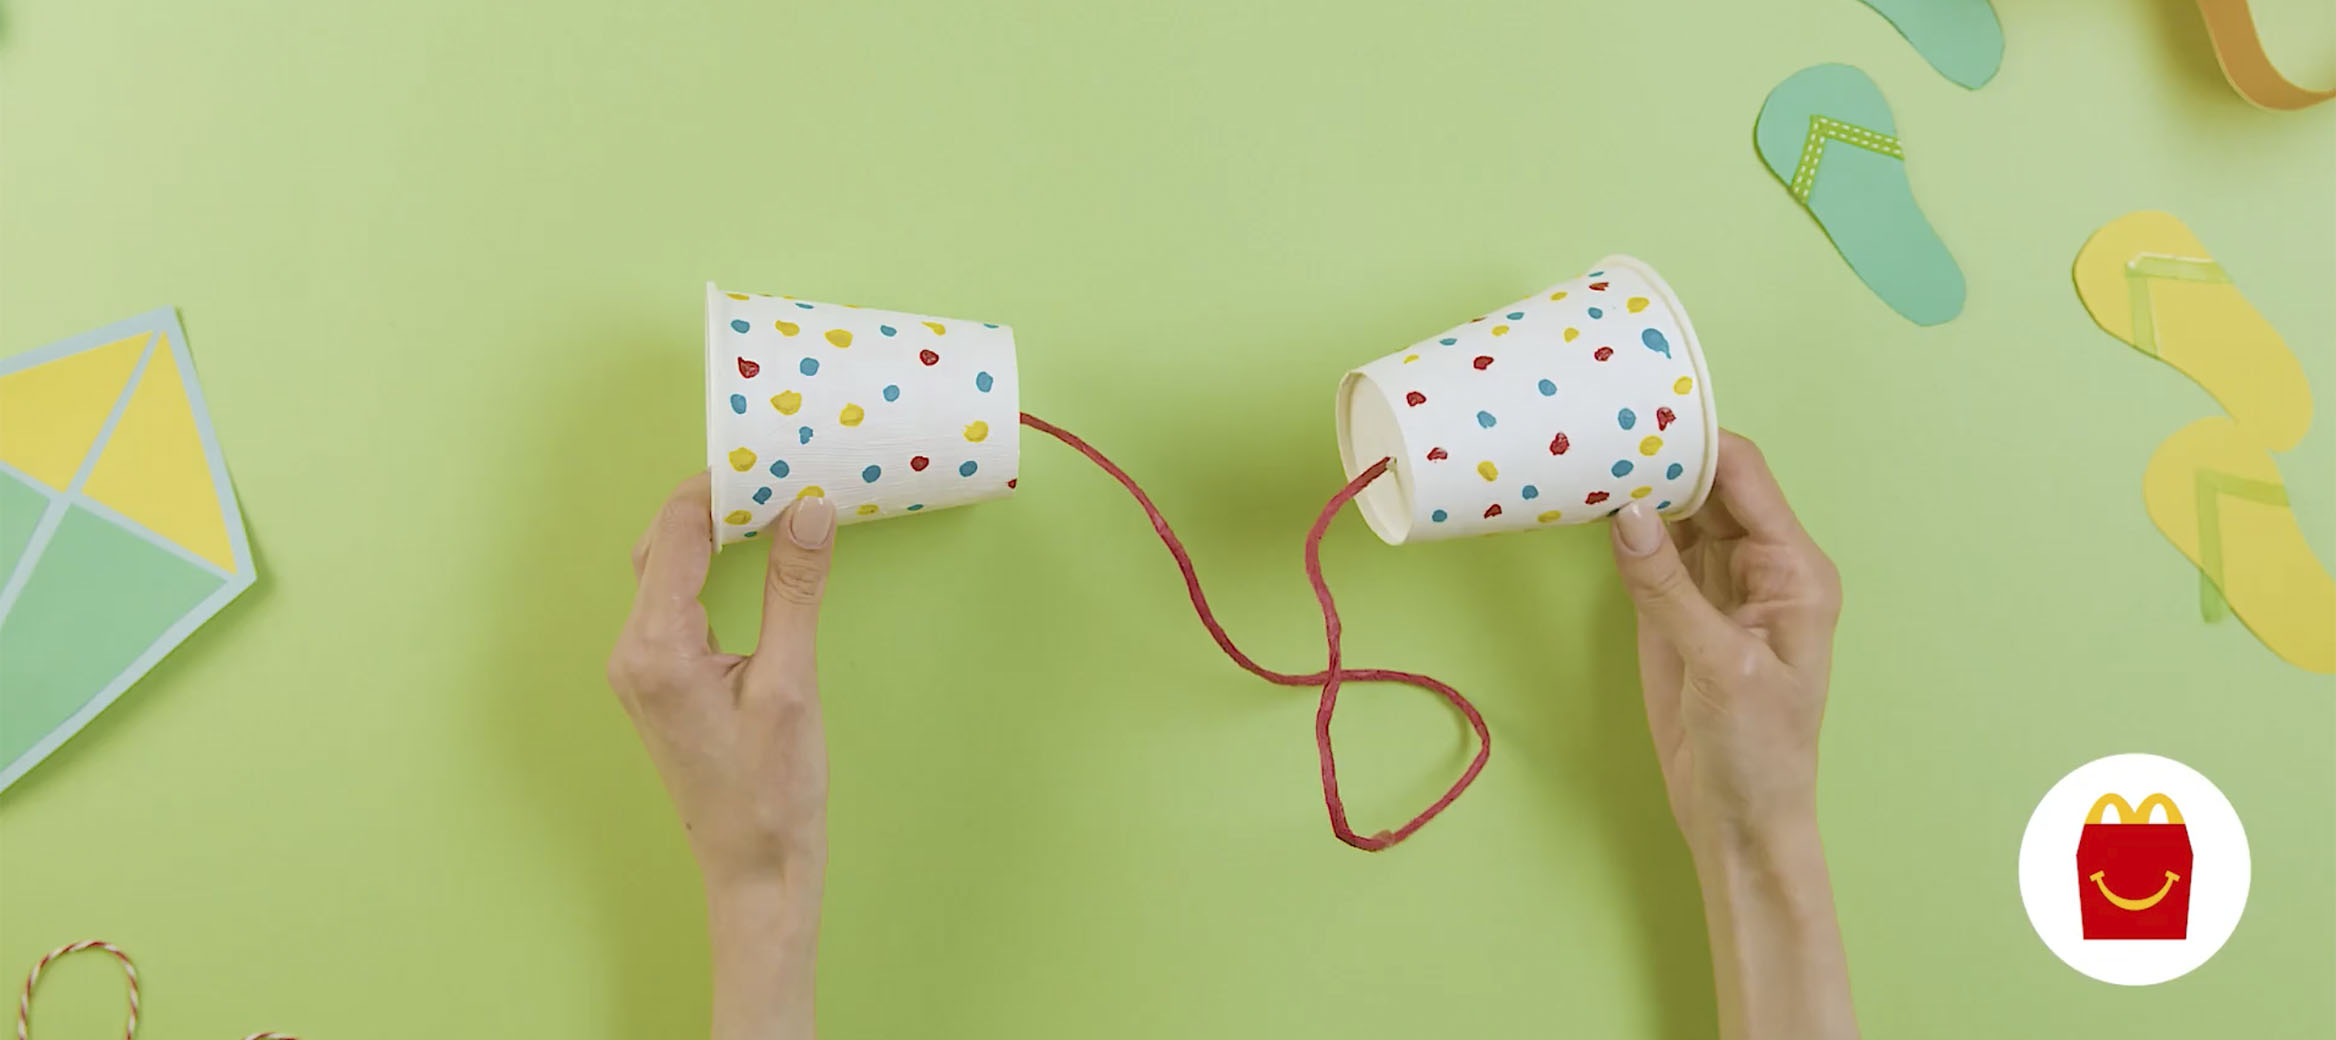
2134	869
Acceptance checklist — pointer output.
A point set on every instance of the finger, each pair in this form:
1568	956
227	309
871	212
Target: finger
1666	595
673	558
802	542
1750	493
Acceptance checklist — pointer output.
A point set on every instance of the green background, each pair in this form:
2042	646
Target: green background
441	264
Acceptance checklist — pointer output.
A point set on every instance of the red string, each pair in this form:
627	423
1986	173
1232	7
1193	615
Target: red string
1331	677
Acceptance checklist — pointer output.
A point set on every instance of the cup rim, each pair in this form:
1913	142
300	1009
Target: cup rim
714	296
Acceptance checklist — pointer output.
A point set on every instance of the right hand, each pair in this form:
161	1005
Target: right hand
1735	647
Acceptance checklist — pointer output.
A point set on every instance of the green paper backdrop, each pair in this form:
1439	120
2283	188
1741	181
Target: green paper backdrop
441	263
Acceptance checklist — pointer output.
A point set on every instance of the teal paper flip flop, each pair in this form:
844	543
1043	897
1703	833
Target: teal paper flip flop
1960	38
1827	134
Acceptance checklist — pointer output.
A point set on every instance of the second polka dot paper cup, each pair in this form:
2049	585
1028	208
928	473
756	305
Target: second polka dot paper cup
884	413
1559	408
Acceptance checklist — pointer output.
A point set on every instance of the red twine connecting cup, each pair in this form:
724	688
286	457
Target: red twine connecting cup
1331	677
129	972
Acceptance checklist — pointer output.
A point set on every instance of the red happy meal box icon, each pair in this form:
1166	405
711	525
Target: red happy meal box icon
2133	876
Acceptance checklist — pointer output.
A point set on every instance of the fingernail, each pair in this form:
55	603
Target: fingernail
1641	529
812	523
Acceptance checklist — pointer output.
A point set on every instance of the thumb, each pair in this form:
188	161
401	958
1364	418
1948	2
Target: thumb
801	543
1658	582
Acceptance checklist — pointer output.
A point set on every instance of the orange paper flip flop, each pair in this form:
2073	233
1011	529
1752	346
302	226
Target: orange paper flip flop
2238	48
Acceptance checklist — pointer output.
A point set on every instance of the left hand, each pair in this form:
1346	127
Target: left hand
737	739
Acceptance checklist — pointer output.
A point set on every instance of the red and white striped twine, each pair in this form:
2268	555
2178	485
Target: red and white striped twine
129	972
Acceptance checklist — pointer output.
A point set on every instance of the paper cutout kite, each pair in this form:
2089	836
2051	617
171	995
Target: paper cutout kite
119	533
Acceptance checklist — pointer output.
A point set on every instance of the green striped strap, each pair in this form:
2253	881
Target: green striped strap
2211	486
2145	266
1827	128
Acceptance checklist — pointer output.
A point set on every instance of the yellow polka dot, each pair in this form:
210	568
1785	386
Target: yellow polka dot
868	510
813	491
1558	295
738	516
787	402
741	459
787	328
1650	445
1640	491
1500	330
1409	358
1487	470
852	414
1551	516
1636	304
735	295
977	431
839	337
938	330
1684	384
1570	333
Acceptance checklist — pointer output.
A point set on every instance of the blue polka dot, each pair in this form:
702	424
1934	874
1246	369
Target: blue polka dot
1662	505
803	436
1674	471
888	330
989	324
1627	418
1594	274
1614	510
1548	389
751	534
1516	315
1622	468
1597	313
738	403
1439	516
809	367
914	506
1485	420
803	305
739	325
779	468
967	469
1530	492
762	495
1447	341
1655	342
869	475
892	392
983	382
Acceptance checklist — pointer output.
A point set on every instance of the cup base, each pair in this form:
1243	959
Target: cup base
1367	432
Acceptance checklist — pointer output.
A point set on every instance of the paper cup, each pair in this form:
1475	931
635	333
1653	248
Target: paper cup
1559	408
884	413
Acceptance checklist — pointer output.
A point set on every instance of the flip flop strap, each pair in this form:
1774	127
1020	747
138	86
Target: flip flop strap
2145	266
1827	128
2211	486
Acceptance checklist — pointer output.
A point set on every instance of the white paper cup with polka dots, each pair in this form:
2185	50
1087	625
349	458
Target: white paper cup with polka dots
1557	409
886	414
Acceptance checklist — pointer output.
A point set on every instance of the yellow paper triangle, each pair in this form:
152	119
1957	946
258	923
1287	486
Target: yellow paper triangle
51	413
154	471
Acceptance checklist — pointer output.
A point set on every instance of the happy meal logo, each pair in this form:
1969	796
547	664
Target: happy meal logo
2161	869
2149	861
